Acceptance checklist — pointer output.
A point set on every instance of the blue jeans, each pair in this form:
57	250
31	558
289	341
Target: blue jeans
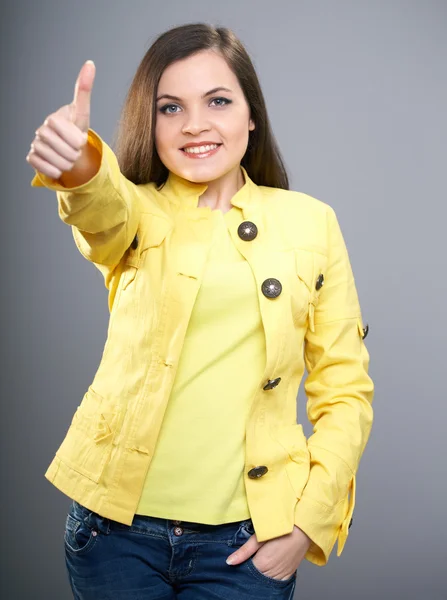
161	559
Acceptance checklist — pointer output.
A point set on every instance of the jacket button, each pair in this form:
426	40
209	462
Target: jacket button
271	288
257	472
365	331
247	231
271	383
350	523
320	281
134	244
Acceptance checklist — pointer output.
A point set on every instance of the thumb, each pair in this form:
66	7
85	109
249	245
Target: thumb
245	551
80	107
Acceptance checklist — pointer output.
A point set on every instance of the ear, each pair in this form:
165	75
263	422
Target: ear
251	125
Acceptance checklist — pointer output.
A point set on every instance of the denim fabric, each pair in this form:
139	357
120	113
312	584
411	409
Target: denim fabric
107	560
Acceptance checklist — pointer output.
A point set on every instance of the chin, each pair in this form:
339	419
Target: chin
201	173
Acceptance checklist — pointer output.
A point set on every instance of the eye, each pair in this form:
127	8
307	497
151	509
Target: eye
165	109
221	101
171	109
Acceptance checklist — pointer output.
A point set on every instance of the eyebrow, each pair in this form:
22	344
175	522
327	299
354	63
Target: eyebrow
213	91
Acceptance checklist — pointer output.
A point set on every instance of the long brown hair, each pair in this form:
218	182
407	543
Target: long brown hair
135	140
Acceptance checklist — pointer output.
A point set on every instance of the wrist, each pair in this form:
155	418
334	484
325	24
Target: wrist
306	540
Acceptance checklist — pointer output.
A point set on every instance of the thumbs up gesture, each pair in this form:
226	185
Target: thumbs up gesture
59	141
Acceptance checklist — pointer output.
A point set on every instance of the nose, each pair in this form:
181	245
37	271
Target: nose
195	123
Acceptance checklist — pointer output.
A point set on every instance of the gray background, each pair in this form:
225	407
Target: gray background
357	95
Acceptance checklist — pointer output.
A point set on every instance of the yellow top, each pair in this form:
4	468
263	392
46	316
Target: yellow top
220	366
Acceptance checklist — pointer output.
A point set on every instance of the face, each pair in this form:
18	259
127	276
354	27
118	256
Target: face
203	119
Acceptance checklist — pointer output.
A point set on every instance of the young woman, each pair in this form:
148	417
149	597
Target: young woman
224	286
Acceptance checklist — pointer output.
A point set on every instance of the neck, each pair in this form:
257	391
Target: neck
220	191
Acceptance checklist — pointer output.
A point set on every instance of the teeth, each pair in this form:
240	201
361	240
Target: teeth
200	149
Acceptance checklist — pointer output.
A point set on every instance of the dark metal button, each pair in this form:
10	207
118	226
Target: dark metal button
350	523
178	531
272	383
271	288
247	231
134	244
365	331
320	281
176	522
257	472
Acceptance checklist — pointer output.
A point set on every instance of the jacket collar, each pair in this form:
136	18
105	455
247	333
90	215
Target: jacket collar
185	194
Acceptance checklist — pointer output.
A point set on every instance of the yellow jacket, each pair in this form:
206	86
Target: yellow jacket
150	245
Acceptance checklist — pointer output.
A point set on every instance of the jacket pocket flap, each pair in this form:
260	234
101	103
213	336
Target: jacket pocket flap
151	233
310	265
304	266
153	230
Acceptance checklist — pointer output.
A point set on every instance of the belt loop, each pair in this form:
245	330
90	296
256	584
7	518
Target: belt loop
96	521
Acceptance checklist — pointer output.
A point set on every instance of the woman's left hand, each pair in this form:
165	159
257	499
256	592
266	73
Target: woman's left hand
279	557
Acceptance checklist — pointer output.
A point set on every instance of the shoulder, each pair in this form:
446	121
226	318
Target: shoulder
294	202
303	219
296	207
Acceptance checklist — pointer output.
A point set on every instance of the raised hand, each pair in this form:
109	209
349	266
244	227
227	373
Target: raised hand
58	143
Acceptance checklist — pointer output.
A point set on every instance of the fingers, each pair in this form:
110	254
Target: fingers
54	150
82	95
58	128
57	145
43	166
245	551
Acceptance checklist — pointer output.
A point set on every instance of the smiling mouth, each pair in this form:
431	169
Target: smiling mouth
201	151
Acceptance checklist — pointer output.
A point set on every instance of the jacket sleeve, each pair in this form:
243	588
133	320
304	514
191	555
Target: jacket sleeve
103	213
339	403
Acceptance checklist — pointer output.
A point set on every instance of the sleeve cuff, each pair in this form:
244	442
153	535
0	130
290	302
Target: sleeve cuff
325	525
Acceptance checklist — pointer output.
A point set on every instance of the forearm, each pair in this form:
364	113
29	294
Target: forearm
104	211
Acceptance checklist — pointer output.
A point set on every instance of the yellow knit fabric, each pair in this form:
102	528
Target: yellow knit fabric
196	473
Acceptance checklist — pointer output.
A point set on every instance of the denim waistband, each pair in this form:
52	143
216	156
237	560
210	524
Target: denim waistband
156	525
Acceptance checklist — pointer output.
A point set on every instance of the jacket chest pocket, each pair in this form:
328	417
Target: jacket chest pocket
310	269
151	233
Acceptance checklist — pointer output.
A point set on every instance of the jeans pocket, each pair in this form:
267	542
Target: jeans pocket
245	531
271	580
79	536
